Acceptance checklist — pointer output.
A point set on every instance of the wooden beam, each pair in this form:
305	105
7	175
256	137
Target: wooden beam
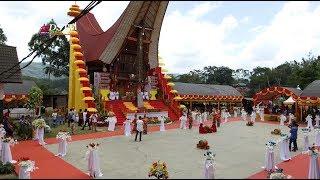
135	40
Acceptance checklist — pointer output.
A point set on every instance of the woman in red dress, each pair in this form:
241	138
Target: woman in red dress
214	127
201	129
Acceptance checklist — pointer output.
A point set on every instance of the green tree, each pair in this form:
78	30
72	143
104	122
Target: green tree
34	98
3	37
56	57
194	76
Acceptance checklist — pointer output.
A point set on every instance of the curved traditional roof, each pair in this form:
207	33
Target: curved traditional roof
207	92
8	58
275	91
18	89
105	46
312	90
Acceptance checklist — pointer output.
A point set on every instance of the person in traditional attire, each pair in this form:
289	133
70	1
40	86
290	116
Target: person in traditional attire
127	127
134	122
183	121
309	121
317	119
116	94
139	128
283	118
214	127
194	115
80	122
112	95
204	116
243	114
112	121
235	112
253	116
261	114
94	120
218	117
162	127
145	124
201	129
199	117
190	121
146	95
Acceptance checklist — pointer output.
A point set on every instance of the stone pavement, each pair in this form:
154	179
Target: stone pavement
239	152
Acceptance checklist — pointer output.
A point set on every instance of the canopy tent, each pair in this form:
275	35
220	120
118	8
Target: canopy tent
272	93
289	101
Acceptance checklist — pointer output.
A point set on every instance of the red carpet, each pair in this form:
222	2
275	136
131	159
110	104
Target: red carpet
51	167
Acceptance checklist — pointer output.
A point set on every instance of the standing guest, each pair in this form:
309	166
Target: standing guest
94	120
86	119
54	117
80	122
253	116
162	127
282	119
7	126
243	114
70	116
139	128
218	117
112	119
183	121
145	124
261	111
190	121
76	117
72	123
291	118
294	134
309	121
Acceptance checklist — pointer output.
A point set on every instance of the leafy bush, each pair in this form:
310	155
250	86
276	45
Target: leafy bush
7	168
24	130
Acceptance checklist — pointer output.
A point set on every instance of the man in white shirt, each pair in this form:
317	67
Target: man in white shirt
139	128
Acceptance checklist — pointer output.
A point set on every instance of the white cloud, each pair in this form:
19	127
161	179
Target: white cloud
203	8
20	20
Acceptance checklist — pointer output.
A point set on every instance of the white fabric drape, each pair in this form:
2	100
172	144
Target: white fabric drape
36	134
208	169
317	138
94	163
24	173
6	155
269	160
284	150
62	147
306	142
314	171
41	136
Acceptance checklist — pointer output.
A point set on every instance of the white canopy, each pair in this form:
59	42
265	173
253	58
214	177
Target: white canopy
289	101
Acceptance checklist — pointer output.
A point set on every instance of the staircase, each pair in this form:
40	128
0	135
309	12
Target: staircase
117	107
158	104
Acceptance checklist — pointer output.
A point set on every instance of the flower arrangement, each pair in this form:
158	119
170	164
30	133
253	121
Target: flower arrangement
9	140
312	151
203	144
305	131
93	146
210	155
270	145
39	123
63	135
276	132
249	123
278	174
317	129
285	136
26	162
159	170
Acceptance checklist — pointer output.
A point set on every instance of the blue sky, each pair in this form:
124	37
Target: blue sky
195	34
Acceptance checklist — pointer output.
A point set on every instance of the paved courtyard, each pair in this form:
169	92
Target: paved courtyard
239	152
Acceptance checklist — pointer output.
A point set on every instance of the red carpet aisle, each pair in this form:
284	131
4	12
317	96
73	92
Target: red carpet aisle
51	167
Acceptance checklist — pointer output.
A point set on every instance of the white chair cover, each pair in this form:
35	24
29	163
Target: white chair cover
284	150
314	169
269	160
162	127
24	173
208	169
62	149
6	153
317	139
36	134
306	143
41	136
94	164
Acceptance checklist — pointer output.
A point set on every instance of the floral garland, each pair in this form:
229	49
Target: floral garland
26	162
9	140
306	131
63	135
270	145
39	123
203	144
93	146
159	170
278	174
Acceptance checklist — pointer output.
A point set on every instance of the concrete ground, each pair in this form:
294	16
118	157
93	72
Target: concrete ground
239	149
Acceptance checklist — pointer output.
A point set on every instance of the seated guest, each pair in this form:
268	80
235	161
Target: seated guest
201	129
214	127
